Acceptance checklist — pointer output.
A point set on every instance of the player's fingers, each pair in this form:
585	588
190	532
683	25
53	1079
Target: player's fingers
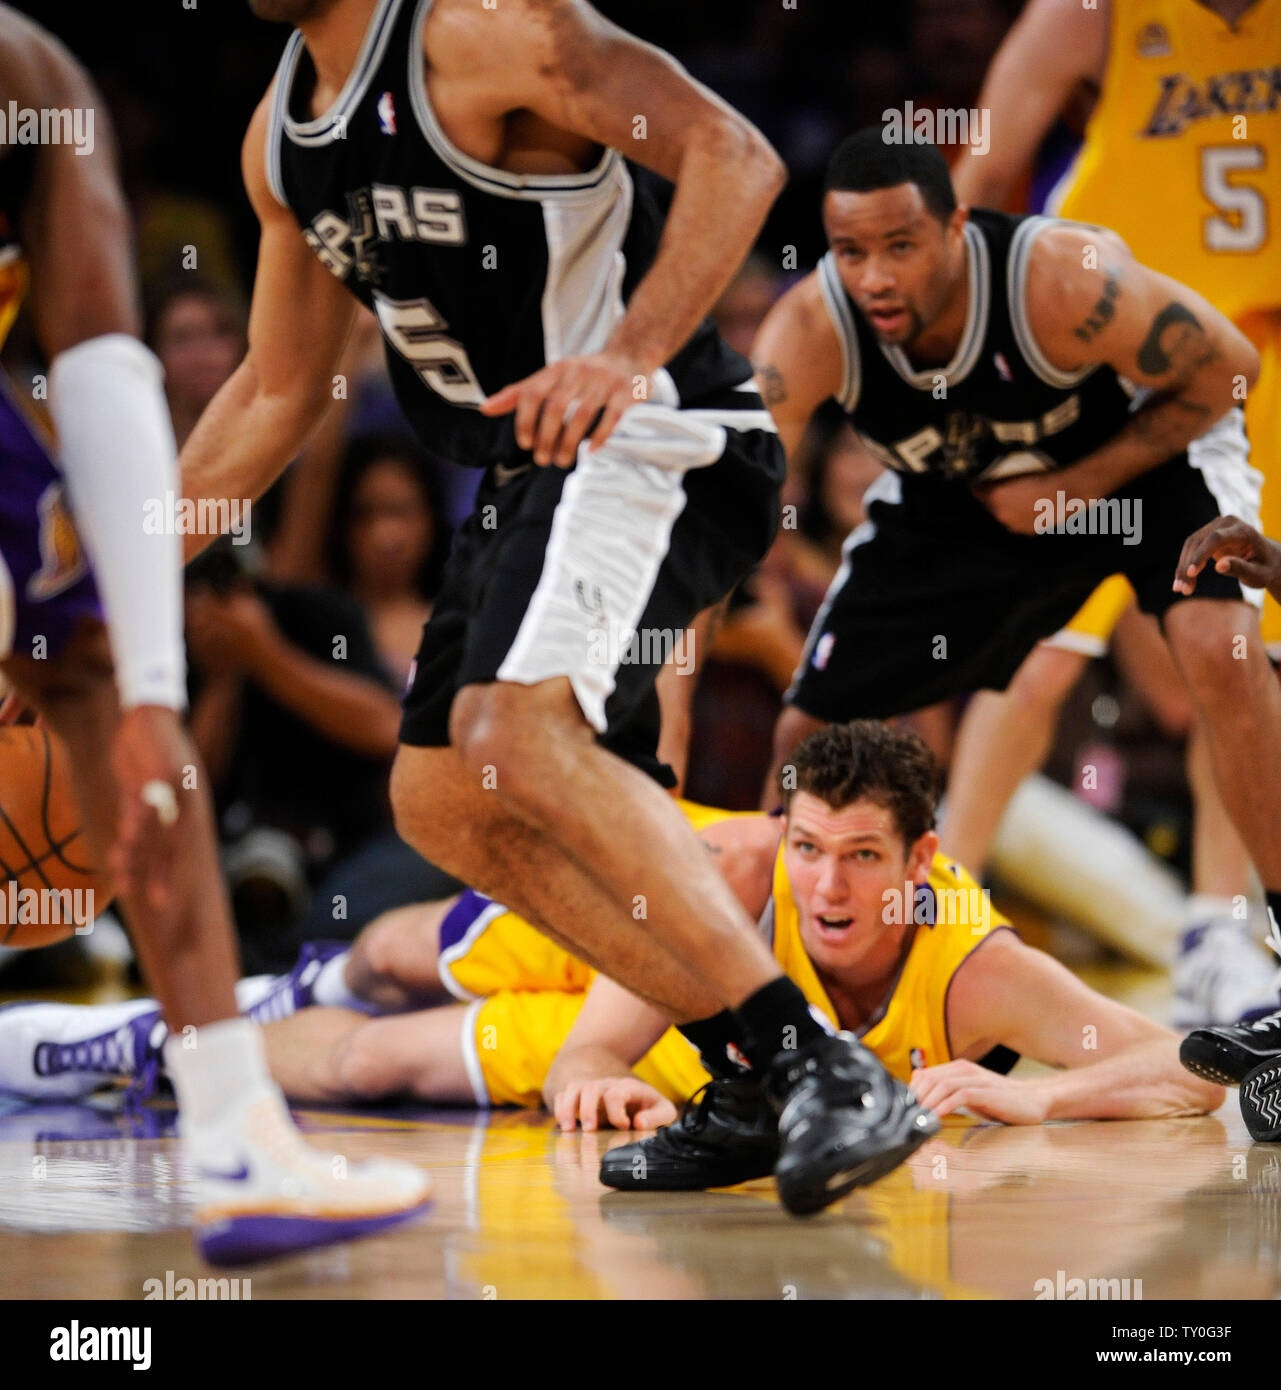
528	410
1252	575
618	1104
557	405
610	416
654	1116
505	401
589	1106
565	1107
581	412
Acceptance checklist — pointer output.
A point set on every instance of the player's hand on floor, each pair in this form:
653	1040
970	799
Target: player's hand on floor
149	755
623	1102
560	405
1236	548
985	1093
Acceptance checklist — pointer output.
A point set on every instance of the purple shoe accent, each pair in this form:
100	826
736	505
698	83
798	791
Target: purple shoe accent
242	1240
240	1174
1191	938
121	1051
297	989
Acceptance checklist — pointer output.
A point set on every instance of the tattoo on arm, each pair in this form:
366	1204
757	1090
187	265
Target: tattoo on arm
773	391
1104	309
1188	349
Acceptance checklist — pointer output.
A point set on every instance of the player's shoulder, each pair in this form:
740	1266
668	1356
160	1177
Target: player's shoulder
462	33
799	329
745	848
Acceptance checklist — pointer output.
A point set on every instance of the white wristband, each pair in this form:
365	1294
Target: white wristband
117	454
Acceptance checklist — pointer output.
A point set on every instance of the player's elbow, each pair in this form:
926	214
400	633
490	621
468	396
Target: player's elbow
734	143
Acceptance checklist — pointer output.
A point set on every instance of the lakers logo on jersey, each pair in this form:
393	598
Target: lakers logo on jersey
62	561
1182	101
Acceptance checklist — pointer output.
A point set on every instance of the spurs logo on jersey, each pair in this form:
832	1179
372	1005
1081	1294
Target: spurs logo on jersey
382	213
1182	101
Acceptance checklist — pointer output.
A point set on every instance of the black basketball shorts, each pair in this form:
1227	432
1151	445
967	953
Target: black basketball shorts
934	598
594	572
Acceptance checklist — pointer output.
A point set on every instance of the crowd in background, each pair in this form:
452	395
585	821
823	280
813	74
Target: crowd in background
300	642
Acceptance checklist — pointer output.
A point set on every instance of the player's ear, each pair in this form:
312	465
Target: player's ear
921	855
957	219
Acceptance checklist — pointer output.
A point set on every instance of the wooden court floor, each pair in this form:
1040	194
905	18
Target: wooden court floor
92	1206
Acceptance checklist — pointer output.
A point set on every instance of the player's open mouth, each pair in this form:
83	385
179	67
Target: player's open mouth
887	320
830	925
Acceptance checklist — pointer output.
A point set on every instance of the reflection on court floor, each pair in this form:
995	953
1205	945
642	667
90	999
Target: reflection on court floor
92	1203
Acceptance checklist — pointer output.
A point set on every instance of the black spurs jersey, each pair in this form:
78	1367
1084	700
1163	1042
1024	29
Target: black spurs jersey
478	277
998	408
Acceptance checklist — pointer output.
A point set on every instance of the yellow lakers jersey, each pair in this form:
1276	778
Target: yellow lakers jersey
1182	155
911	1030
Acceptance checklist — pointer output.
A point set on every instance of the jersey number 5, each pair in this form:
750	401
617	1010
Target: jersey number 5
416	331
1241	223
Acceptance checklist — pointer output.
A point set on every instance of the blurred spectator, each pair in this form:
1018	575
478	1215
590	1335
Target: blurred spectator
746	301
296	721
197	329
388	542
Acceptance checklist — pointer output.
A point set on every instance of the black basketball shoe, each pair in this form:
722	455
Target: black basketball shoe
727	1133
1261	1101
1226	1054
843	1120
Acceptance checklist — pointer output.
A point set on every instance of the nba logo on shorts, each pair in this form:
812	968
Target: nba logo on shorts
387	114
823	651
917	1058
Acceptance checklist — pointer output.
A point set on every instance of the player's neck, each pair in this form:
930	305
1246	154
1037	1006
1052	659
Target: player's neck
858	991
333	40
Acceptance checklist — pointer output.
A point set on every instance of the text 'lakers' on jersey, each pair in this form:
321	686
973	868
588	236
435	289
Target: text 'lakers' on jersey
1182	155
478	277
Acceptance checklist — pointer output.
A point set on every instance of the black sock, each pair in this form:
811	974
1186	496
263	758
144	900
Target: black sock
1274	906
775	1019
714	1037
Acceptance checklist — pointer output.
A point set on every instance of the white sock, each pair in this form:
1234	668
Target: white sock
215	1069
331	987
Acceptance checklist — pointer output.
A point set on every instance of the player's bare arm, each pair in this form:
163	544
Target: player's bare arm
84	306
1235	548
298	322
563	62
1054	46
591	1077
797	359
1112	1063
1089	302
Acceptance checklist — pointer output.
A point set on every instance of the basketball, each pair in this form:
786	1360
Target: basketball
49	884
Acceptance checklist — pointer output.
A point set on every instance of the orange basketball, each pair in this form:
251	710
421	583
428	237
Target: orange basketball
49	885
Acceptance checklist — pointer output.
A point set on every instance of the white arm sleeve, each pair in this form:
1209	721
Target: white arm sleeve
116	451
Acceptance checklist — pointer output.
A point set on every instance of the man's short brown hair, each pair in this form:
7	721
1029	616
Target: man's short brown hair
866	759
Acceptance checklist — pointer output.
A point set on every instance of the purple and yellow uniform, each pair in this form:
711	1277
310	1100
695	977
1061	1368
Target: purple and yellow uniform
525	992
46	589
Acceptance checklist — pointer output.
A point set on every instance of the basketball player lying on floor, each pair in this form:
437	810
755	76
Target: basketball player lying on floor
882	933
